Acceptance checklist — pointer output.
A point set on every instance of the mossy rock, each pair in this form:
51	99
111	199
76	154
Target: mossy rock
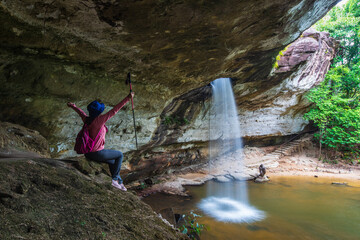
89	167
48	199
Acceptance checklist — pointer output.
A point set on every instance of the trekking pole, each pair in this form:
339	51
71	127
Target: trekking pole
128	81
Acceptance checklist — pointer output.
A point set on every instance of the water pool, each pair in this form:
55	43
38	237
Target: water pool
294	207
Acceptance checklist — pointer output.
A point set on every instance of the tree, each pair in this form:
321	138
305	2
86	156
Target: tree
336	108
343	24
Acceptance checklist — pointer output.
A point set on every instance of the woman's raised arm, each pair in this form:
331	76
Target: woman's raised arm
81	113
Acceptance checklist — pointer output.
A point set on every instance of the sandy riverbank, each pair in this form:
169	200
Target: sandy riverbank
302	165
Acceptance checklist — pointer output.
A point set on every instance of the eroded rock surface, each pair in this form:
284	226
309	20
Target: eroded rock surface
268	108
279	107
58	51
47	199
18	141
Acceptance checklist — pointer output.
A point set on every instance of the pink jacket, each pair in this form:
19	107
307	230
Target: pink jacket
98	124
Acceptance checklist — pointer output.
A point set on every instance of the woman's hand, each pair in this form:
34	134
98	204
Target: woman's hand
132	94
70	104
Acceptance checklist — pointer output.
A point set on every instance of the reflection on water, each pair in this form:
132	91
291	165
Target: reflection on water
296	208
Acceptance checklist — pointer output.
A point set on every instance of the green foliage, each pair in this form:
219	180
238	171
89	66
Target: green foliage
278	57
353	157
191	227
343	24
142	185
336	110
175	120
331	161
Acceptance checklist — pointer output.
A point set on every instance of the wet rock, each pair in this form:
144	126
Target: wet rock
261	179
171	187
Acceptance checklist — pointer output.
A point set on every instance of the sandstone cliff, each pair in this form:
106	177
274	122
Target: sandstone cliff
58	51
271	107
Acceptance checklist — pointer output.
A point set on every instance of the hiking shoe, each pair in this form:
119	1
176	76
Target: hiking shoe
122	187
116	184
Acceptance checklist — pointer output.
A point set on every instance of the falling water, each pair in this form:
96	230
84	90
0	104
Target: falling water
231	203
224	123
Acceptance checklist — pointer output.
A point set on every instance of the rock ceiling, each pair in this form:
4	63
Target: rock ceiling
55	51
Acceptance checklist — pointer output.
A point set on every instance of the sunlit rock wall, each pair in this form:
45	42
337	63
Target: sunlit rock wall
279	110
268	108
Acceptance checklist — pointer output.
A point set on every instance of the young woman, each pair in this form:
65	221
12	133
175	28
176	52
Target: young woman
97	130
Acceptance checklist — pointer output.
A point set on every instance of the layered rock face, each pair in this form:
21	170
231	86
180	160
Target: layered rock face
58	51
269	108
279	109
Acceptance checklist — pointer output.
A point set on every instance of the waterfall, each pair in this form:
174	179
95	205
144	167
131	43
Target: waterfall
226	150
225	133
229	202
224	124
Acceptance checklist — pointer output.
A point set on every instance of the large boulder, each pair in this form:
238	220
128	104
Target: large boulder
47	199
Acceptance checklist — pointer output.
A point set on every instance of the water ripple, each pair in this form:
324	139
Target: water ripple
230	210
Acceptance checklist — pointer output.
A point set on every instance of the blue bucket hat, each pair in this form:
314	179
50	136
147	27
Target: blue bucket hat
95	108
